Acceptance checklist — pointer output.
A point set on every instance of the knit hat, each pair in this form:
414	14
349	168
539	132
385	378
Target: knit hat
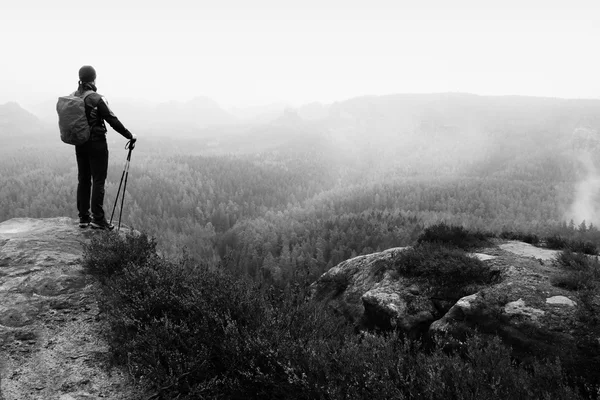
87	73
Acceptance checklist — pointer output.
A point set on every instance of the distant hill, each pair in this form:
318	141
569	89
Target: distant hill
173	118
18	123
258	114
429	128
447	114
445	128
198	113
450	130
45	111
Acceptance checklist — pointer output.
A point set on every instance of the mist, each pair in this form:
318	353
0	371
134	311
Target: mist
586	204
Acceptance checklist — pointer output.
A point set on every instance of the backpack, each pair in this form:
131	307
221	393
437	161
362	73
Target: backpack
72	121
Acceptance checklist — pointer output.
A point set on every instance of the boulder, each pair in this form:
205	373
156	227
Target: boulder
522	301
370	294
536	318
399	305
343	286
527	250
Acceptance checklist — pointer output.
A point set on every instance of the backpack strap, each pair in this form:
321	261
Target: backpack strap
86	94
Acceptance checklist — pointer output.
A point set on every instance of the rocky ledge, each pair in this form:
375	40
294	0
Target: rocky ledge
50	341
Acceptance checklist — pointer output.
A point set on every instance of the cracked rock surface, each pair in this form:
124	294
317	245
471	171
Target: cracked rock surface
50	338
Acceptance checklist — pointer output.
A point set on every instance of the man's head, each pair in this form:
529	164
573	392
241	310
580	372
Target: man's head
87	73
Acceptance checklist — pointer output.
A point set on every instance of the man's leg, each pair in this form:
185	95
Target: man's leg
99	166
84	183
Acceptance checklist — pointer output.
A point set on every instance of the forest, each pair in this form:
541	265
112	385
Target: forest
269	200
272	213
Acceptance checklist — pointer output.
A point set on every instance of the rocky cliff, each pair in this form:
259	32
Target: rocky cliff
50	341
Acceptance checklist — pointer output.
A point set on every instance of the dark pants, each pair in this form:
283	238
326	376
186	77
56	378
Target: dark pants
92	165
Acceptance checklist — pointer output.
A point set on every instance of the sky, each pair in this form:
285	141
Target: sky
242	53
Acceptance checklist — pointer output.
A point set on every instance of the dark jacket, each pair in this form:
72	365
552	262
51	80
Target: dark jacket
97	111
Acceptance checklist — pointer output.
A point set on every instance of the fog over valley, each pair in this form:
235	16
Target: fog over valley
372	140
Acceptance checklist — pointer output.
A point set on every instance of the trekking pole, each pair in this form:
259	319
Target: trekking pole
130	146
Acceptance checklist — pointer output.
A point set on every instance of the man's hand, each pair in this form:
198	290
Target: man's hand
132	141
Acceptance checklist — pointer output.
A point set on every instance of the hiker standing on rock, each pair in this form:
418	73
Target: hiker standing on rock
92	156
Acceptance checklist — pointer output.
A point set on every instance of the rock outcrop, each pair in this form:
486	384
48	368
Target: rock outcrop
523	307
366	291
50	341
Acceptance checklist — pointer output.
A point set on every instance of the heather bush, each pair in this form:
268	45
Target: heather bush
185	331
583	246
449	271
108	253
530	238
581	273
455	236
578	271
558	242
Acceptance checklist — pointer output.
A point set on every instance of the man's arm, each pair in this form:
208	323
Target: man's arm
106	114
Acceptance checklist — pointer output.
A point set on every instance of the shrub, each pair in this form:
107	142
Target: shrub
450	271
483	368
583	246
108	253
180	325
390	367
455	236
579	271
558	242
189	332
530	238
332	285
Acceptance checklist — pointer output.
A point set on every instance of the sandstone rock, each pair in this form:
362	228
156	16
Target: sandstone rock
41	283
528	250
393	305
561	300
482	257
369	294
517	309
343	286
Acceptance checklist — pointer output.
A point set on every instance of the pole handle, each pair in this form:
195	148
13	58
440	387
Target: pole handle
130	145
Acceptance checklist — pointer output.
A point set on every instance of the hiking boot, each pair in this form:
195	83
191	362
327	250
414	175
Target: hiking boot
102	224
84	222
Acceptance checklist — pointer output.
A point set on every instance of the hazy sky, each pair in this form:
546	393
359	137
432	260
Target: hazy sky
243	52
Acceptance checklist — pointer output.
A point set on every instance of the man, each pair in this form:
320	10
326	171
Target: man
92	156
